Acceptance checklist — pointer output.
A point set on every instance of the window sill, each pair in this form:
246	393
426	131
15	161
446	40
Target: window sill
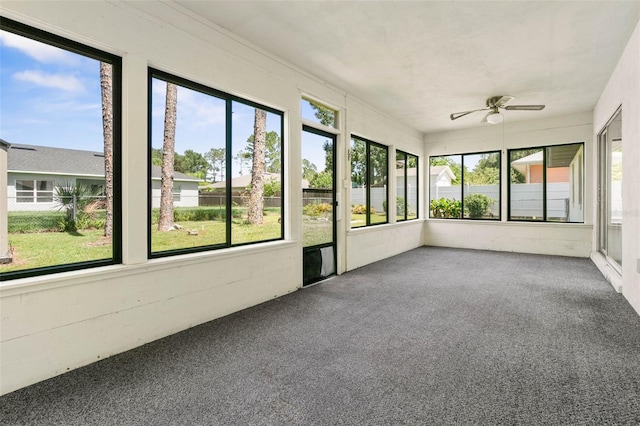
100	274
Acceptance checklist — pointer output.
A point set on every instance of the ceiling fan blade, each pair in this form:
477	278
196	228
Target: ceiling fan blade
501	101
457	115
524	107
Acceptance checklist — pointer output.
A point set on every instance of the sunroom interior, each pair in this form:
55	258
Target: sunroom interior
389	74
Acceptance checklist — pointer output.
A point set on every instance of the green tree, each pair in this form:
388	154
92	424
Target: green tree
358	159
271	151
485	172
322	180
194	164
216	158
328	154
309	170
156	157
327	116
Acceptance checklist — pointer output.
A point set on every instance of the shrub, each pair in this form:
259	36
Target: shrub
399	206
446	208
362	209
478	205
315	210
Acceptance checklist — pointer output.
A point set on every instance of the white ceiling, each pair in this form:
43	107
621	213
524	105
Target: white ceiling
420	61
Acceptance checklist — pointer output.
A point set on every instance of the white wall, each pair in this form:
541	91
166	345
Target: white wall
55	323
365	245
623	89
552	238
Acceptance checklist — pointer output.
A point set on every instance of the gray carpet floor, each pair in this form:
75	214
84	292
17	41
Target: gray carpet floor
432	336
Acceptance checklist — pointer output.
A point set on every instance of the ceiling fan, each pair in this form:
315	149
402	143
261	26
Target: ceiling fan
493	105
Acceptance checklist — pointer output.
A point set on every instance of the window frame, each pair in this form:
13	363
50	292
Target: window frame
462	196
368	143
78	48
229	100
35	192
406	156
544	149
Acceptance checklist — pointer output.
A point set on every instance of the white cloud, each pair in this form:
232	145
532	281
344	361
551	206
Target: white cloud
64	82
39	51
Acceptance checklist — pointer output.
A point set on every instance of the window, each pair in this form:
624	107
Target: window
318	113
219	160
465	186
546	183
60	109
610	191
369	192
34	191
406	186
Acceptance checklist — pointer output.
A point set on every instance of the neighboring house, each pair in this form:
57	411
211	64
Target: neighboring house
565	186
34	171
241	183
439	176
412	177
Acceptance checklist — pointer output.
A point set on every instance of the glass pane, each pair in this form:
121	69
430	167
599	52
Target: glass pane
526	191
614	233
378	190
194	204
564	183
256	174
445	190
482	186
401	190
52	105
412	187
358	158
318	113
317	189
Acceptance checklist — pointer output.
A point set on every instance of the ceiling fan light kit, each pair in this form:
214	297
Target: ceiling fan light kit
495	117
493	105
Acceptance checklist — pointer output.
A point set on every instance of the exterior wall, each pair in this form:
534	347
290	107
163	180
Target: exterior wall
188	193
53	323
13	205
551	238
535	173
623	89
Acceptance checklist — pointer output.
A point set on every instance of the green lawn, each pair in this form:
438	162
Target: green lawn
40	249
56	248
358	220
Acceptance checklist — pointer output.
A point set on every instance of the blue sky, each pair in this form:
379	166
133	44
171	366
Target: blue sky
51	97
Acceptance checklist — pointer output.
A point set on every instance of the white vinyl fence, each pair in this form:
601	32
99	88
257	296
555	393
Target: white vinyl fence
526	199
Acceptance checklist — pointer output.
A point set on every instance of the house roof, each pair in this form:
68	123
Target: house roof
244	181
439	170
62	161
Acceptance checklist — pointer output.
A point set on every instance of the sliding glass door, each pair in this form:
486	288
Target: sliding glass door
610	190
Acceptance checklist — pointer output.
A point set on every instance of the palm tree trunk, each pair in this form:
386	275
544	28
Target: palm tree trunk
256	196
106	87
165	223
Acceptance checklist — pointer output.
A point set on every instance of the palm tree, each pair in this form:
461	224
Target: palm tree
165	223
256	204
106	88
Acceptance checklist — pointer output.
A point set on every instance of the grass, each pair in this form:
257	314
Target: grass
56	248
316	231
358	220
41	249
